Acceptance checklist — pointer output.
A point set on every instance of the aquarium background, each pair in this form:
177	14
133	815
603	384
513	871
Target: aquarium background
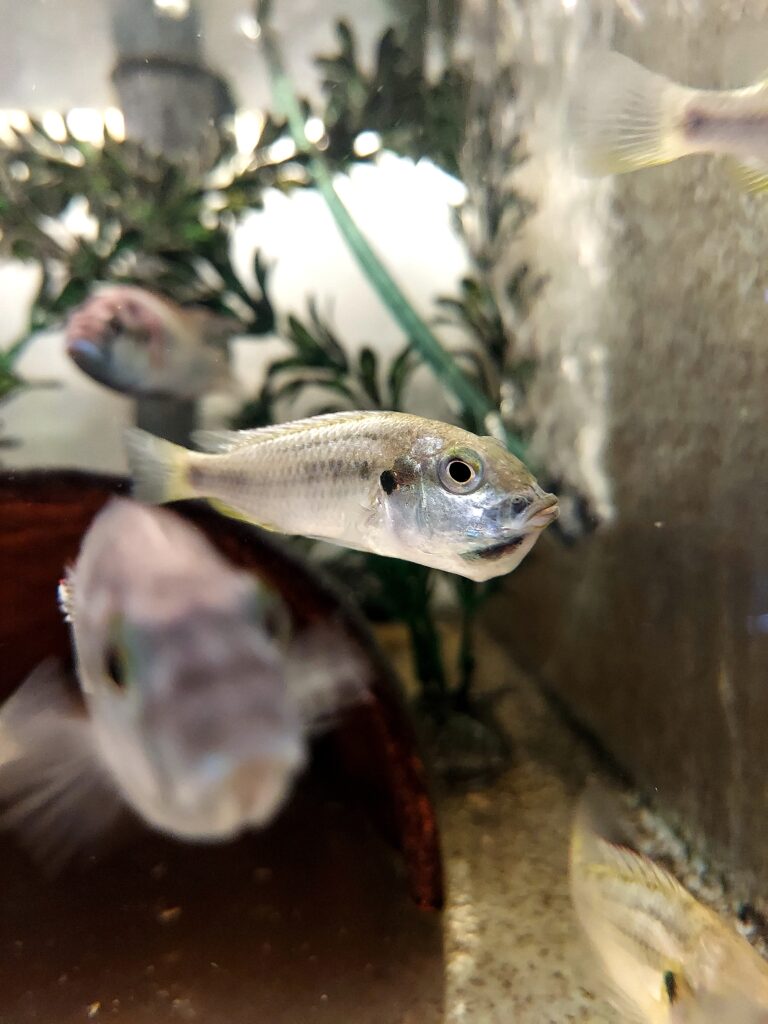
618	324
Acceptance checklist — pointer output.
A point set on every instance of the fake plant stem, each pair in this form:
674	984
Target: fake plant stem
428	659
415	328
470	596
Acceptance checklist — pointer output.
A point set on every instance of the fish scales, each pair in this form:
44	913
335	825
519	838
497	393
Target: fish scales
302	482
385	482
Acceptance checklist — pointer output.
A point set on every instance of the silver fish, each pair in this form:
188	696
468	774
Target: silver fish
665	957
140	343
198	697
384	482
625	117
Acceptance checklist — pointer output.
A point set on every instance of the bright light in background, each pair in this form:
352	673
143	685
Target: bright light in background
569	5
6	134
249	124
19	170
19	120
314	129
53	126
367	143
78	220
248	26
282	149
176	9
86	125
455	191
114	122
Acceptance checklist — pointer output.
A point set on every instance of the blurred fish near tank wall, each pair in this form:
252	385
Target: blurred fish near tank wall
649	398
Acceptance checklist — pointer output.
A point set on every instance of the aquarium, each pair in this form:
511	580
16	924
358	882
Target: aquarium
382	472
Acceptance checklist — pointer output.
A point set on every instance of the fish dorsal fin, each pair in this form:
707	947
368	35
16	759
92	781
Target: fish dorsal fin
231	440
599	841
639	868
66	595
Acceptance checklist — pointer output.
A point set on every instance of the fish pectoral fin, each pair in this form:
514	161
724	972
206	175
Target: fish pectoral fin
55	793
325	673
751	175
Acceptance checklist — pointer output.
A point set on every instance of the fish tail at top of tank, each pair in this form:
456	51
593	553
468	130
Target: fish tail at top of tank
624	117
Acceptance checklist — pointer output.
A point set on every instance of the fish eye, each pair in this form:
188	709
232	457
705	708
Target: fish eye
114	666
460	473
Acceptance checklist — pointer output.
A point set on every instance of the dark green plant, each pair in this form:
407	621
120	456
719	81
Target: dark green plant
414	116
156	223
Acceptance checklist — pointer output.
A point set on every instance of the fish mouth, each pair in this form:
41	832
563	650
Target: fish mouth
543	512
496	551
89	357
540	515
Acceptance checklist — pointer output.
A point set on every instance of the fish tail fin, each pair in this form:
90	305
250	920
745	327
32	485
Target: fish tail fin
160	469
624	117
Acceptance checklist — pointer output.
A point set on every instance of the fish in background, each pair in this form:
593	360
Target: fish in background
199	698
664	956
624	117
384	482
139	343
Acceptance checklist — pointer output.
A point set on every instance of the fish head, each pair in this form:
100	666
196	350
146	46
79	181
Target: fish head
110	337
180	659
467	504
137	343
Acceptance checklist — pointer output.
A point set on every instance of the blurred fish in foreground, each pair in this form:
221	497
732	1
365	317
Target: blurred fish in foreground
665	957
199	699
624	117
139	343
386	482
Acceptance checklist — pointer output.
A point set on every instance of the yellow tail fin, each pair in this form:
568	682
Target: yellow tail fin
624	117
160	469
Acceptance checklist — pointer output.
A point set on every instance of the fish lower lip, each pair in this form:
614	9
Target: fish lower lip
495	551
89	358
84	349
544	516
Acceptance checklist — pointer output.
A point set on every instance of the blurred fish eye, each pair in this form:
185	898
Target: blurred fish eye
114	326
114	665
460	473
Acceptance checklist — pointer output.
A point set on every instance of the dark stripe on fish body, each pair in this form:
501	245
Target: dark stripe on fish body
310	472
701	125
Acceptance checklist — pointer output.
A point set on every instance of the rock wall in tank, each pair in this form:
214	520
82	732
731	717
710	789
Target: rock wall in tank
650	400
